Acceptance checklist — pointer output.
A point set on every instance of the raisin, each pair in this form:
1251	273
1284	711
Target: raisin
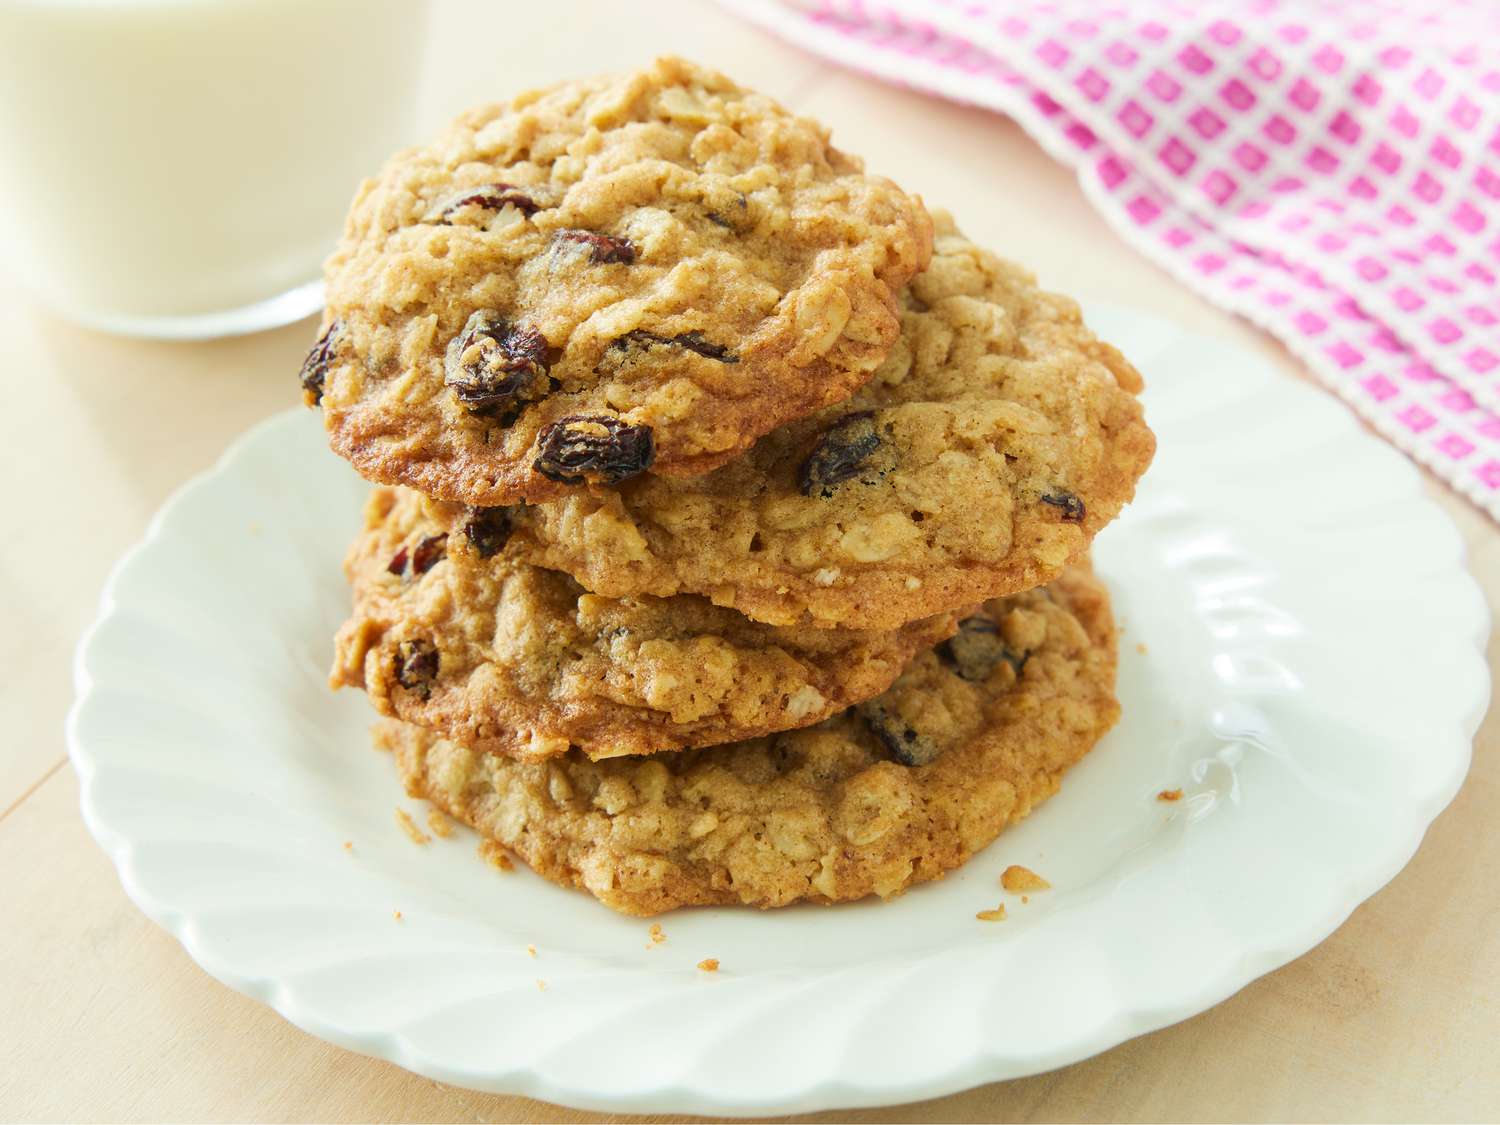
1073	510
594	447
491	197
416	666
688	341
493	364
841	453
315	366
398	562
487	530
897	736
429	552
977	649
604	249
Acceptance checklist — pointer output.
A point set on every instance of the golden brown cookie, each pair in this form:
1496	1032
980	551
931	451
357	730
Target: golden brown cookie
452	631
608	276
988	450
895	792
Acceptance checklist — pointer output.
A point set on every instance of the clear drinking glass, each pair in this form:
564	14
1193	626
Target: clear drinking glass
180	168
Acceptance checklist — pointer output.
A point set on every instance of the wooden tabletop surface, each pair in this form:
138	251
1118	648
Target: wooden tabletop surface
1396	1016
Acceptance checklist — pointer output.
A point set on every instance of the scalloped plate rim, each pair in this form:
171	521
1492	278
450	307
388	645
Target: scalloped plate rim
970	1069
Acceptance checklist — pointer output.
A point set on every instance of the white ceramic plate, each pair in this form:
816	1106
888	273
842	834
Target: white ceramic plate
1302	656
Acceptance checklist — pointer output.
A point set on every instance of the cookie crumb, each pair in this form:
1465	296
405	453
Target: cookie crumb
1017	878
531	952
709	964
995	915
1141	648
409	826
396	914
657	937
495	855
1169	795
1025	899
541	985
348	845
440	824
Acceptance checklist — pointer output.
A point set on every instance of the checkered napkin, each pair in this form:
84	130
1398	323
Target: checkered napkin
1329	169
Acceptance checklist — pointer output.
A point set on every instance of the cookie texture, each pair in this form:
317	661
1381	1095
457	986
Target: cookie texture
450	630
895	792
606	277
998	437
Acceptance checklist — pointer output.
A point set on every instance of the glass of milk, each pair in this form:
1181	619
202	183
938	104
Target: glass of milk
181	168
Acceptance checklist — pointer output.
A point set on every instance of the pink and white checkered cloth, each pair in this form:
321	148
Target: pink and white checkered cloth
1329	169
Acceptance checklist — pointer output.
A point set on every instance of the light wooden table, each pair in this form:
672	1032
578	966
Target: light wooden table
1397	1016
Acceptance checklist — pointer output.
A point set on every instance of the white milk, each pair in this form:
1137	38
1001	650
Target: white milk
166	165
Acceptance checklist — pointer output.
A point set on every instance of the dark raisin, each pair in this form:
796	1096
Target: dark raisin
398	562
604	249
593	447
841	453
977	649
488	530
897	736
315	366
493	364
688	341
416	666
491	197
1072	508
429	552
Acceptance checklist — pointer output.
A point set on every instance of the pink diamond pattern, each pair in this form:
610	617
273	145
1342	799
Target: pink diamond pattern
1337	179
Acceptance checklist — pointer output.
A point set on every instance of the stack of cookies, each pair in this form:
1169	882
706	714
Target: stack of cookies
731	538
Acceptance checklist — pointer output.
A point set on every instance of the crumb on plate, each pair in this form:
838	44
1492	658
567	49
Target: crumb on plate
396	914
409	826
995	915
440	824
1169	795
709	964
531	951
657	937
1017	878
